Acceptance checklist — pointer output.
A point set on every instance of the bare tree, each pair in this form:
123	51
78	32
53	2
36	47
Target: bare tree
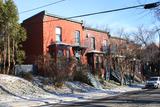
127	52
120	57
149	53
143	36
157	12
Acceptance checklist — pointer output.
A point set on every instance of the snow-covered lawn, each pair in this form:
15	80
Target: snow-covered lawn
17	92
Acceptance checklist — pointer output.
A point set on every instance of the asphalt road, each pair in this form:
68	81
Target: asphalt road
143	98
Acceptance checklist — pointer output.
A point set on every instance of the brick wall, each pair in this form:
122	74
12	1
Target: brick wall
41	33
33	46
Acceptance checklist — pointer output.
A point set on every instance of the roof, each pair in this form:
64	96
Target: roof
119	38
128	41
45	13
95	29
40	13
63	18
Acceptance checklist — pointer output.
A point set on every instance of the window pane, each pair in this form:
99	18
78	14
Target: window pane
58	34
77	37
67	53
105	46
58	38
93	43
58	30
60	53
104	42
77	55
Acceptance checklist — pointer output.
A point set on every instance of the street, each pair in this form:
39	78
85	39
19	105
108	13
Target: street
143	98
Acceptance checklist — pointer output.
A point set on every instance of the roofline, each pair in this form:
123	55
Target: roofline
128	41
45	13
62	18
42	12
114	37
94	29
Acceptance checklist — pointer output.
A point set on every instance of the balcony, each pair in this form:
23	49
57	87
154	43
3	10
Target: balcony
113	49
105	49
59	44
82	44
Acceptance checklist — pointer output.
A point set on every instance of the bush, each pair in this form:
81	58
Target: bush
58	71
46	81
59	84
81	74
28	76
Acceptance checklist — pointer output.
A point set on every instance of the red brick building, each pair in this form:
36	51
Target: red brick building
44	31
98	44
48	33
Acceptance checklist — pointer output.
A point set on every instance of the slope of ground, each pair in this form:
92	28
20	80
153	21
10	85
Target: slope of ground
17	92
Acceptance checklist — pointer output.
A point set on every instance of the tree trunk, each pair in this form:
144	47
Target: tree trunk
122	77
9	57
122	70
4	57
122	80
13	56
0	62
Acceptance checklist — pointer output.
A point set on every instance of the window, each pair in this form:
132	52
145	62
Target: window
58	31
77	37
105	43
60	53
77	55
114	48
105	46
93	43
67	54
97	62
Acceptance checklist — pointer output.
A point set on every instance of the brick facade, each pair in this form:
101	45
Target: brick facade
34	44
41	34
55	35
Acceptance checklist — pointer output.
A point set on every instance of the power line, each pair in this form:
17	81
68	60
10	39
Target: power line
114	10
41	6
109	11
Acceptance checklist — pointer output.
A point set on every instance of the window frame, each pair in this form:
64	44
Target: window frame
105	42
58	35
93	43
77	37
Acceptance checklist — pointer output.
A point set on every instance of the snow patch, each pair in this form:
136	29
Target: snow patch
15	91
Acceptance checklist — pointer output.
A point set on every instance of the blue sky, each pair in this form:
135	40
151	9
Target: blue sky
128	19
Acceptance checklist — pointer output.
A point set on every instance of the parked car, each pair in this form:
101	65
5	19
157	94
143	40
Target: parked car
153	82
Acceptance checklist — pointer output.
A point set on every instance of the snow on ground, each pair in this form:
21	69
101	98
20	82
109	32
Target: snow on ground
122	89
17	92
